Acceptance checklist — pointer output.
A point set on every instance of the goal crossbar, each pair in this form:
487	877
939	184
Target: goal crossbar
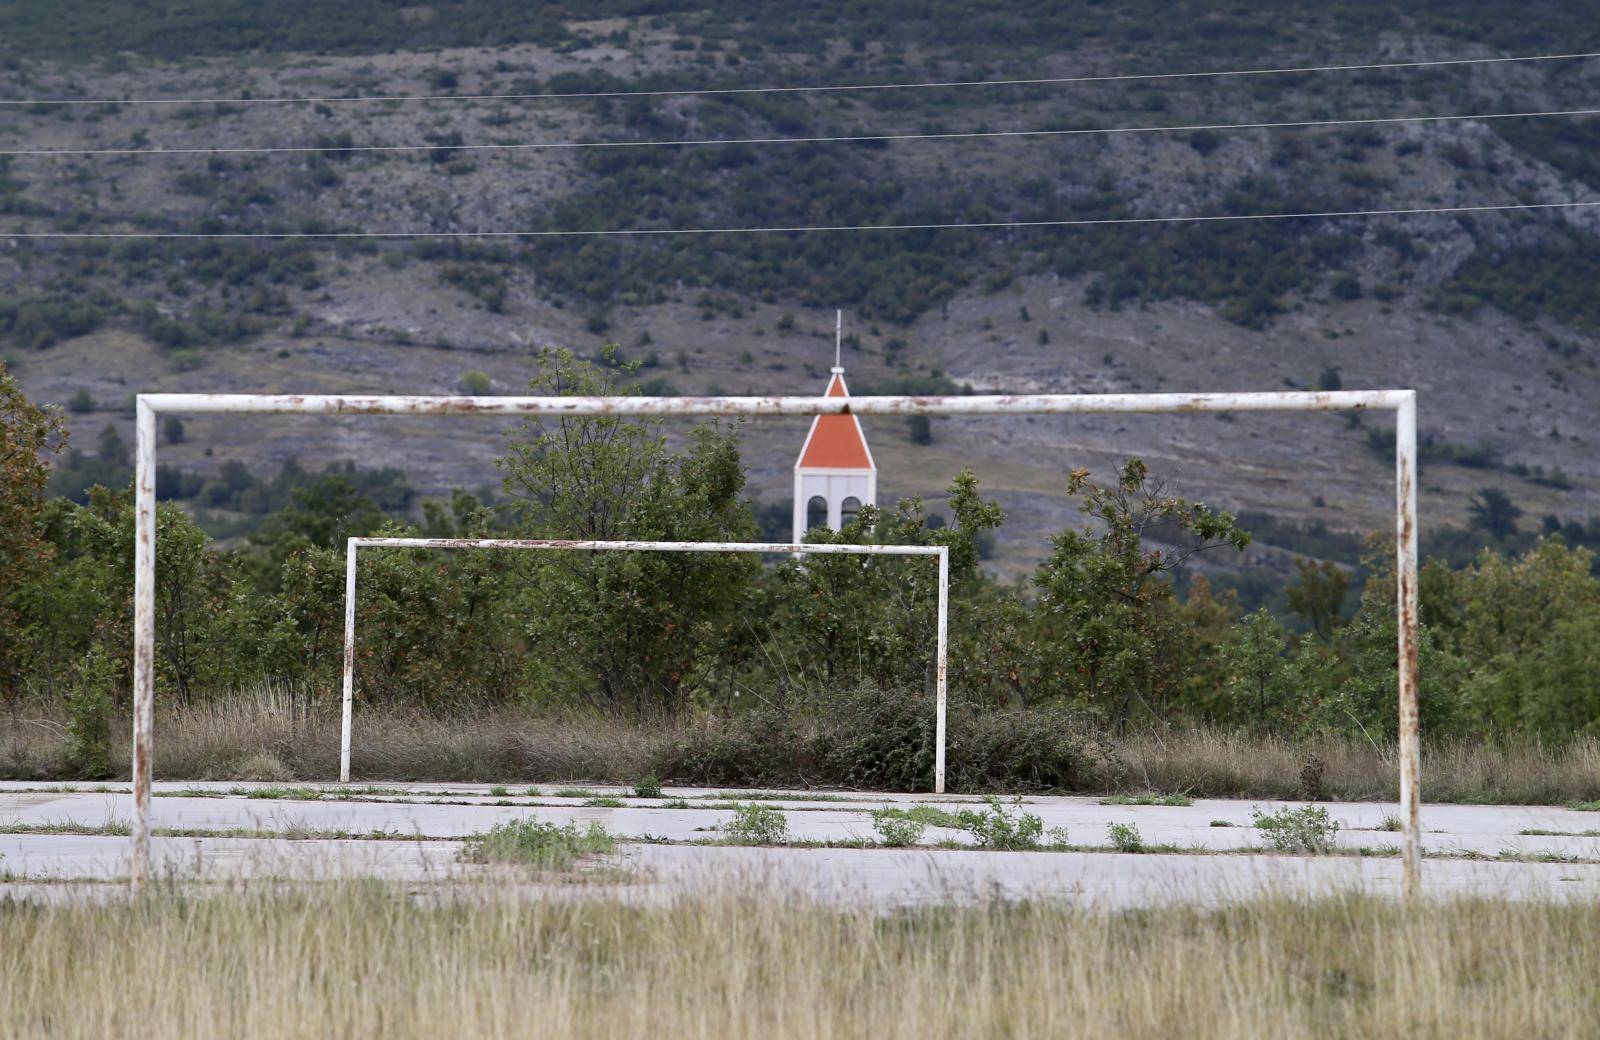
940	665
1402	402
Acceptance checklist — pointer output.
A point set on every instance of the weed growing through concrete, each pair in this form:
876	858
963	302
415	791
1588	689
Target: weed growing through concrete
605	802
1222	823
647	787
1125	837
1306	829
281	794
997	828
1148	798
927	815
896	829
539	846
754	824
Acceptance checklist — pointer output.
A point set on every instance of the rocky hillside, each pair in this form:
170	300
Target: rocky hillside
1491	317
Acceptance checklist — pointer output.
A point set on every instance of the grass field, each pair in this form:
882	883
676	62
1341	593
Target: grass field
356	959
263	738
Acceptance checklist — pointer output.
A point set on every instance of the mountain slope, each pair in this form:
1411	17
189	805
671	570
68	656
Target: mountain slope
1489	316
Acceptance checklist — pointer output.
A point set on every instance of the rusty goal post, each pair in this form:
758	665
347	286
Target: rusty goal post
941	641
1402	402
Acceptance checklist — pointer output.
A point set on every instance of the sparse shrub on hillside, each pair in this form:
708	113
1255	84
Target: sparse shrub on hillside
485	284
43	322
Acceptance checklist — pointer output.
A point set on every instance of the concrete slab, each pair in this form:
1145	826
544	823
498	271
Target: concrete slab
66	867
1450	829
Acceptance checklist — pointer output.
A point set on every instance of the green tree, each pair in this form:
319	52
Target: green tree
28	433
1368	697
632	632
1257	668
1318	595
1108	599
842	619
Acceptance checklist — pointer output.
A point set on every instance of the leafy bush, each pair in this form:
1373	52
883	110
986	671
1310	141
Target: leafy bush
897	830
1125	837
756	824
647	787
867	737
1306	829
539	846
998	828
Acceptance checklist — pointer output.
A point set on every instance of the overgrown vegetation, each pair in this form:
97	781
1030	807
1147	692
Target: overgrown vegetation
1125	837
1001	827
756	824
897	829
783	674
1307	828
537	845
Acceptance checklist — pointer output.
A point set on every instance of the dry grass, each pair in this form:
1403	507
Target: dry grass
1220	764
369	960
269	737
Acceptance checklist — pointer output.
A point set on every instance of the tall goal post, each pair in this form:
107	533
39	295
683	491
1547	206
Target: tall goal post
940	658
1402	402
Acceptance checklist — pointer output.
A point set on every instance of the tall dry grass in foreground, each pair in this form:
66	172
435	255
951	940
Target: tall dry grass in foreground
365	960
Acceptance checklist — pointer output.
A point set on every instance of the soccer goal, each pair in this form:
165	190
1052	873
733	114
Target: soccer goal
1402	402
940	662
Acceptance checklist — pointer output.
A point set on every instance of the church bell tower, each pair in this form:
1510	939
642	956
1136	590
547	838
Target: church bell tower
834	475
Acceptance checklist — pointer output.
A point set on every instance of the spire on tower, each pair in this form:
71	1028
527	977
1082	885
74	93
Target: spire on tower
838	340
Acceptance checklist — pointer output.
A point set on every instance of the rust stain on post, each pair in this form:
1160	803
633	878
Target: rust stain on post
144	642
1407	611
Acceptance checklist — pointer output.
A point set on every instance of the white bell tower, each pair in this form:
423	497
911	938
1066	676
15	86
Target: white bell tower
834	475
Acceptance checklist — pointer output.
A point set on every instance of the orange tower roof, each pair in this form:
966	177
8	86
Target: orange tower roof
835	441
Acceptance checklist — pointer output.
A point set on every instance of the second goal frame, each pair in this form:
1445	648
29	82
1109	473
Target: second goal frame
353	545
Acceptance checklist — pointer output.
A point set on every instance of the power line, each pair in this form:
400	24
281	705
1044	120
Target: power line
836	139
953	226
834	88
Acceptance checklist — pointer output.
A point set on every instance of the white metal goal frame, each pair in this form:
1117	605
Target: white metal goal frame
1402	402
941	641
